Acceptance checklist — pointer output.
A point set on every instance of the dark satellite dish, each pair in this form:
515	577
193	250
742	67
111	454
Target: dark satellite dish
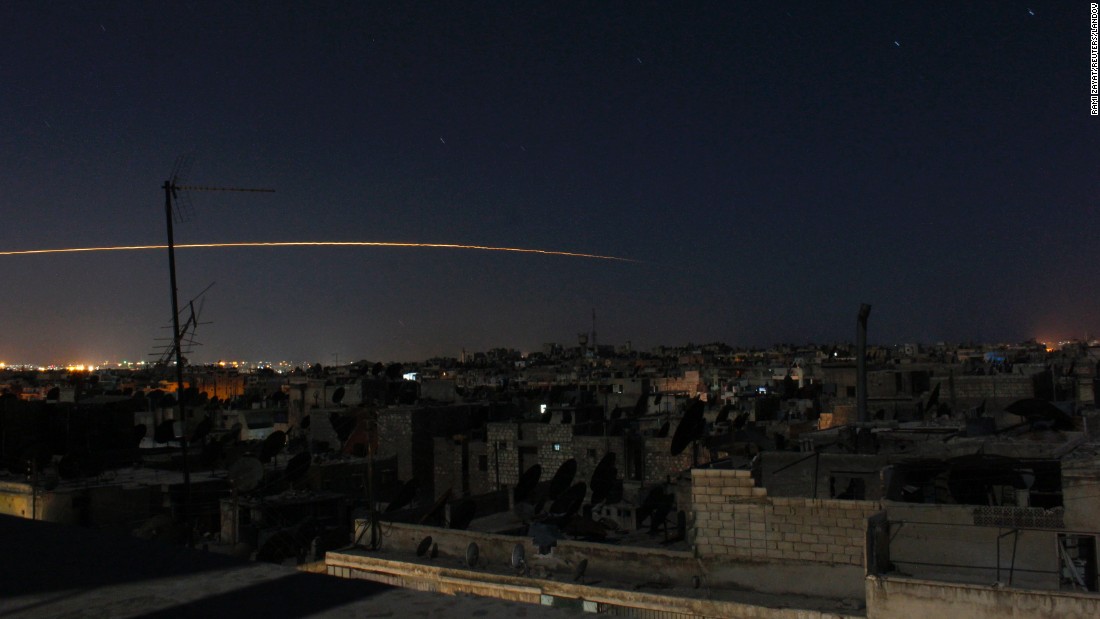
436	507
338	395
654	500
663	432
546	417
570	501
603	477
724	413
304	423
189	396
139	433
615	492
272	445
641	406
616	414
740	420
563	478
425	544
527	483
404	496
54	394
245	474
434	551
68	467
202	429
691	428
212	453
234	433
1038	411
50	479
472	554
165	431
519	559
578	572
298	466
279	547
344	425
462	514
934	398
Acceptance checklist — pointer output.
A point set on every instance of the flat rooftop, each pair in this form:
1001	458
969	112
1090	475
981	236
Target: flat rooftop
57	571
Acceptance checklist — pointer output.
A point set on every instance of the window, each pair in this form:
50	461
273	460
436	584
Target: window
557	446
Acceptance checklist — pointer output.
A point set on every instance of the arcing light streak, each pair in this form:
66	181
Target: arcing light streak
521	250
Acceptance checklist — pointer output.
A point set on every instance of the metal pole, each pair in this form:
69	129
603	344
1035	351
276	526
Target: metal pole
179	357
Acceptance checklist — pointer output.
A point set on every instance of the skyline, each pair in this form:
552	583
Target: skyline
770	167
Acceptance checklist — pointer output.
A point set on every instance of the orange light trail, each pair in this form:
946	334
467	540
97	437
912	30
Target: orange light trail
521	250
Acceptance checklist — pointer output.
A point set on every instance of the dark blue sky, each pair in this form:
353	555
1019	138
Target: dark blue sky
773	164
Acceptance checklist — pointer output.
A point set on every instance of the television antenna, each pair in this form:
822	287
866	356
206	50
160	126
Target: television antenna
172	189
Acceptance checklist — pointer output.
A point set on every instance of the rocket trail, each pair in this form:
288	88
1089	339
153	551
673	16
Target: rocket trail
520	250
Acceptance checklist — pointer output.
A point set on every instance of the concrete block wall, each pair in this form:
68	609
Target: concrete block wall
660	464
733	519
449	468
548	435
503	452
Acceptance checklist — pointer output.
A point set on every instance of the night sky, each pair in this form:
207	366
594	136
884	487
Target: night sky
770	165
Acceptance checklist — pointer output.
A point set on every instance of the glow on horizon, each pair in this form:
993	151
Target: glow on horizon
521	250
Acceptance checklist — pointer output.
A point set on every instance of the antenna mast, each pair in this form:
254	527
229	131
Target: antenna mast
171	192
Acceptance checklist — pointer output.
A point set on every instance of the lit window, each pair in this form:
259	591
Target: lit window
557	446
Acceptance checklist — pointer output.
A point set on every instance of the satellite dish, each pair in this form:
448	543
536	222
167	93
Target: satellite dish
234	433
578	573
404	496
272	445
425	544
140	430
165	431
50	479
527	483
68	467
53	394
462	514
436	507
654	500
343	425
518	557
546	417
570	501
246	474
338	395
724	414
603	477
691	427
472	554
663	432
202	429
563	478
297	467
615	492
434	551
304	424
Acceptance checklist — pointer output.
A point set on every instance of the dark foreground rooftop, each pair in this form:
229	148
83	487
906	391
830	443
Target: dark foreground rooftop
56	571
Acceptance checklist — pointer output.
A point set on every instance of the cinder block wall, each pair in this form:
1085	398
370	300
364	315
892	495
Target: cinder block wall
735	520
